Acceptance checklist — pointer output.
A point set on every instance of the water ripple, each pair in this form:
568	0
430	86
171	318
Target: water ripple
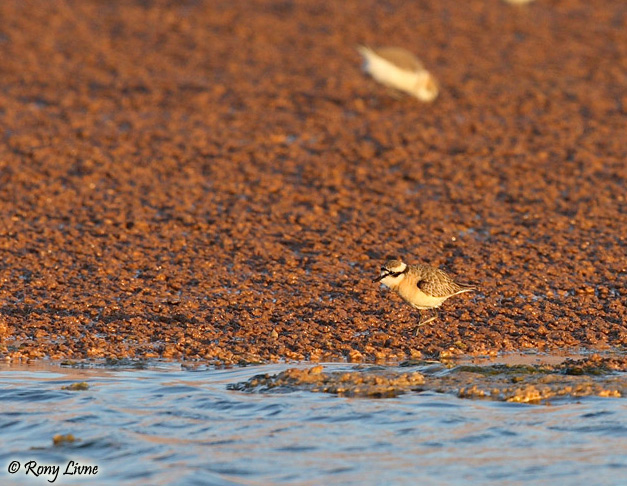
173	426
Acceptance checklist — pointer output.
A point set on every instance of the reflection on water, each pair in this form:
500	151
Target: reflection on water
165	425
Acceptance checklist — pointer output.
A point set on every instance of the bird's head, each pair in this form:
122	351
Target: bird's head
392	273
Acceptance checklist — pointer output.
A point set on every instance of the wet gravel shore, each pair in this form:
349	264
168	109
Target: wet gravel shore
220	181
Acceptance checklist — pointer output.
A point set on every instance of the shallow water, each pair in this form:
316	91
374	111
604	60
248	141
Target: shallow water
166	425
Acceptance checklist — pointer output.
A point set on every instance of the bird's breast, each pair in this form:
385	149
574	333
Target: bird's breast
417	298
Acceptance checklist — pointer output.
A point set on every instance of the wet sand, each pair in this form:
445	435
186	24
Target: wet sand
220	181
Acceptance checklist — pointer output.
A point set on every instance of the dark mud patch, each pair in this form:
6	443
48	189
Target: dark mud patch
509	383
373	383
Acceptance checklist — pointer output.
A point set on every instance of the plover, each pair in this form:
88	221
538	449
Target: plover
422	286
398	68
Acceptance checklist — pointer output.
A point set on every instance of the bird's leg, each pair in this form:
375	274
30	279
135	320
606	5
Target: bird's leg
427	321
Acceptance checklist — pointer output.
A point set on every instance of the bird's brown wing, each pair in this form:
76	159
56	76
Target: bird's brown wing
440	285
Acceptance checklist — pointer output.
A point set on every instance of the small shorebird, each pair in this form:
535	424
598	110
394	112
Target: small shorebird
398	68
422	286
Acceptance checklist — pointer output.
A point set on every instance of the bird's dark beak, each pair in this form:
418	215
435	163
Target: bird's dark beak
380	277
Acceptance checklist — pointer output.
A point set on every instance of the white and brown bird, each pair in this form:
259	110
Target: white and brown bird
422	286
398	68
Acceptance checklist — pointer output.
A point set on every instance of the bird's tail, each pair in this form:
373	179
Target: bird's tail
365	51
465	288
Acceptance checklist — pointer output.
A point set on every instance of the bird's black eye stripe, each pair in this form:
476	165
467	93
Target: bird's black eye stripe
396	274
391	274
